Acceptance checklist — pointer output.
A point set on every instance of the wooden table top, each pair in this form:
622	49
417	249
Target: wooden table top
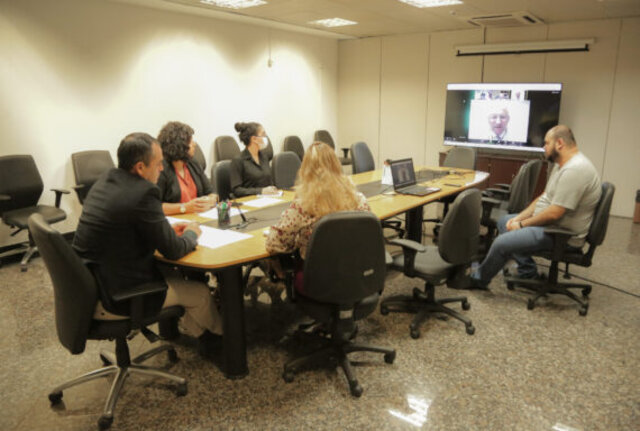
382	205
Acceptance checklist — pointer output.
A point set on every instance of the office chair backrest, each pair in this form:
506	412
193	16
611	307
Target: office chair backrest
269	150
519	196
198	157
225	148
460	157
600	220
293	143
222	176
361	158
324	136
284	169
345	259
460	231
19	179
87	168
535	166
74	287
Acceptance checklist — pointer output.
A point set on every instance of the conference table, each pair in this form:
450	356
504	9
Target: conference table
227	261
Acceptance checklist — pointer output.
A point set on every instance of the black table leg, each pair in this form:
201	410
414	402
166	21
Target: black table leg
235	346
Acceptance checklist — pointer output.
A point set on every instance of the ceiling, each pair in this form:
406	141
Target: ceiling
389	17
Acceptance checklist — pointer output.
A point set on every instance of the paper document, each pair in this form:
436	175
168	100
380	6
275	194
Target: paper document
214	238
174	220
478	177
213	213
272	195
263	202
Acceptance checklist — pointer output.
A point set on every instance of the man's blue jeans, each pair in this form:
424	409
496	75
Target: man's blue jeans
517	244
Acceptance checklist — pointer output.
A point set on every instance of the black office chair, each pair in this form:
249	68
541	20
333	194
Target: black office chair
293	143
499	201
269	150
198	157
325	136
569	255
344	274
20	190
87	168
225	148
285	169
76	295
222	178
438	265
361	158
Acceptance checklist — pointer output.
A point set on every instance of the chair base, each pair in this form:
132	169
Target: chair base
336	352
423	304
28	250
121	372
548	287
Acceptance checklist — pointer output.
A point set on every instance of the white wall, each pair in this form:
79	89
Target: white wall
80	74
600	101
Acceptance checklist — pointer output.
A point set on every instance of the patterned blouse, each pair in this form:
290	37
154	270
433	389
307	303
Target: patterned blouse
294	228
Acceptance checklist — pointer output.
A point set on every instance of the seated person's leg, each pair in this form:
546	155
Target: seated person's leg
526	266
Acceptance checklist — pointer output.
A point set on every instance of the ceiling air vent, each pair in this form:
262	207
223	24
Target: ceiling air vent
511	19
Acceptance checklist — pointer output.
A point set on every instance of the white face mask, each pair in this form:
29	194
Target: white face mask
264	142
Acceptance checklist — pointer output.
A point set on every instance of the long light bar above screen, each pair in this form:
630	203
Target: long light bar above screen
507	86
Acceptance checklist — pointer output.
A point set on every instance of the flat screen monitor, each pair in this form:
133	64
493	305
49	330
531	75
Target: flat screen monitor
501	116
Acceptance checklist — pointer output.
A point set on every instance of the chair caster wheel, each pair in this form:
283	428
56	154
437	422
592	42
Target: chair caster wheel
356	389
181	389
105	422
384	310
466	305
23	269
55	398
172	356
287	376
583	310
586	291
390	357
415	333
510	285
471	330
530	304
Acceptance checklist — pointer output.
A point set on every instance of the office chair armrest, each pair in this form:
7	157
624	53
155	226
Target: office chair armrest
137	294
489	204
409	244
503	186
560	239
345	152
59	193
141	290
79	186
5	197
502	193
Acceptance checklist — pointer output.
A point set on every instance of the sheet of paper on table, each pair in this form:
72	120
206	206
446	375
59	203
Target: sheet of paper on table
174	220
263	202
213	213
214	238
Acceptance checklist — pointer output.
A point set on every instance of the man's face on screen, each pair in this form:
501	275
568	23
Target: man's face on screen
498	121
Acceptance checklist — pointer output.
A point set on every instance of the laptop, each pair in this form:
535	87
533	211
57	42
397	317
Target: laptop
404	179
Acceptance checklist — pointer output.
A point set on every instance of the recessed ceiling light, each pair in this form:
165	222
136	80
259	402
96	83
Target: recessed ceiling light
234	4
333	22
431	3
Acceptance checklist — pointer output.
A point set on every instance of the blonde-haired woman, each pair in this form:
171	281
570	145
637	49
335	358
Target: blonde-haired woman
321	189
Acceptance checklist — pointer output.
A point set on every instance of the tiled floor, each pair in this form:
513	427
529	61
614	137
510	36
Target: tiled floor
546	369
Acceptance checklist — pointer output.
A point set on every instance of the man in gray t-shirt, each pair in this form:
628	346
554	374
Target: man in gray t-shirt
568	201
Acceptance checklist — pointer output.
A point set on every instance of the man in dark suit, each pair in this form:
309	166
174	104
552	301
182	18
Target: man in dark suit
121	226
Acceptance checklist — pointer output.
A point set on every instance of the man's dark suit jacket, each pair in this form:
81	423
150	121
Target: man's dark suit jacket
121	226
170	186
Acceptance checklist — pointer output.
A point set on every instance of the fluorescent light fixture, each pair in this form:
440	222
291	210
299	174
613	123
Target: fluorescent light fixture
525	47
431	3
234	4
333	22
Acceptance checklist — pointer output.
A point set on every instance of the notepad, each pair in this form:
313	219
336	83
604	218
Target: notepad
263	202
214	238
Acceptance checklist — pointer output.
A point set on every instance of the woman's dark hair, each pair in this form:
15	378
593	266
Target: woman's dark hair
174	139
246	131
134	148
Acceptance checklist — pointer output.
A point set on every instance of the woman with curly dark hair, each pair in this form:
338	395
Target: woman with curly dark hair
250	173
184	187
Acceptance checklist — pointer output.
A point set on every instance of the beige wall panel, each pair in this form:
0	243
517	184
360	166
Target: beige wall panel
359	93
82	79
587	79
444	68
403	96
516	67
622	157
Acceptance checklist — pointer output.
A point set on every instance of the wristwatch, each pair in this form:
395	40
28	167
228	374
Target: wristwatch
183	209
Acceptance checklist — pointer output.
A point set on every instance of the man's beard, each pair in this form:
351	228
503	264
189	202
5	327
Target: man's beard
553	156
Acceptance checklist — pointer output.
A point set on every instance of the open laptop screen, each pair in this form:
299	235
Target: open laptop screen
402	173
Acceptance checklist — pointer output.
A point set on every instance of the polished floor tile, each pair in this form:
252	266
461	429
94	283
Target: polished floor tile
544	369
